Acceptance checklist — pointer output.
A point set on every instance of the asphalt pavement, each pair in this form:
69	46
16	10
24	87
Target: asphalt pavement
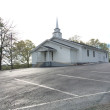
56	88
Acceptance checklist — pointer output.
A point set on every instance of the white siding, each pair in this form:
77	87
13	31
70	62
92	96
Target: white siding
34	58
66	54
61	55
40	57
99	56
37	57
73	56
77	46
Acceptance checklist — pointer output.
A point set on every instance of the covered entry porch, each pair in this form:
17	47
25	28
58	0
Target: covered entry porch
45	56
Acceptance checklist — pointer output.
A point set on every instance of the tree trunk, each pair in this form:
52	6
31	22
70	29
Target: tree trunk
28	63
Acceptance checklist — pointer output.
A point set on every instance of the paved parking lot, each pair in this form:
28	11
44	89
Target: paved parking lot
59	88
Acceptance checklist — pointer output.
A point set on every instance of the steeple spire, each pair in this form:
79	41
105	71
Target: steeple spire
57	32
56	22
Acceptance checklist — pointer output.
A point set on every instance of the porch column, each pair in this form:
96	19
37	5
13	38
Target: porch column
48	56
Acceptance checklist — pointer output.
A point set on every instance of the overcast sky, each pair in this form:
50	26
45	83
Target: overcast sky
36	19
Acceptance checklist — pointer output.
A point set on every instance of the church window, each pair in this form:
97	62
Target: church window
88	53
93	53
106	55
45	55
52	56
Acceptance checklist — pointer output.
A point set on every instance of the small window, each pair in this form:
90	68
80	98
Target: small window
93	53
52	56
45	55
106	55
88	53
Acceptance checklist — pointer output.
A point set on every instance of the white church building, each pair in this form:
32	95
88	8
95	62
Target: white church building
57	51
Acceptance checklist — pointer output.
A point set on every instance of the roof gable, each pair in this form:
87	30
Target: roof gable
41	45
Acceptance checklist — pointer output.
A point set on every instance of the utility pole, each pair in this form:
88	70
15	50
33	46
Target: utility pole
1	50
11	54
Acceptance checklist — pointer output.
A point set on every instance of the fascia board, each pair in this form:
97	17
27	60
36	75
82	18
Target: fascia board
39	46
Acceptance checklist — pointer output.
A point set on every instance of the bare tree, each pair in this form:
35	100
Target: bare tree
5	42
76	38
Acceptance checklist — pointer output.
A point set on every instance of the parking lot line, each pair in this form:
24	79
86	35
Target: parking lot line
46	87
83	78
83	96
36	105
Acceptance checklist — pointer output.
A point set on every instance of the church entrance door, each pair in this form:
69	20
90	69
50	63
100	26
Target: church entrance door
48	56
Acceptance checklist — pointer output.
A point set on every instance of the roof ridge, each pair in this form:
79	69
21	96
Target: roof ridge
80	44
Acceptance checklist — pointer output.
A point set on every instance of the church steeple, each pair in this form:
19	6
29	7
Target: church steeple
56	22
57	32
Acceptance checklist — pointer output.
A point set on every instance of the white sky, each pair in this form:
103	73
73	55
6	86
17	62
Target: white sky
36	19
